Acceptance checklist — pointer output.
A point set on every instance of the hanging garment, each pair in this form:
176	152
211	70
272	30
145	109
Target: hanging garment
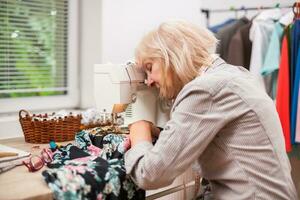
295	35
260	35
296	80
297	137
287	18
271	64
283	93
92	168
225	34
239	51
288	31
216	28
272	58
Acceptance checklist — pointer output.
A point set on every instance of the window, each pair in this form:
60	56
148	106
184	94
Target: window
38	54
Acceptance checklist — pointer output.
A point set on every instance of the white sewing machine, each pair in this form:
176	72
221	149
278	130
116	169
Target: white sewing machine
120	90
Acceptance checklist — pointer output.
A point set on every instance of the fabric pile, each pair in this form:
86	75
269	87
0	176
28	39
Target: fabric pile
92	168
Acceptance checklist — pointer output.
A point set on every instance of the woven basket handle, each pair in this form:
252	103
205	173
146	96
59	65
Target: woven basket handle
23	111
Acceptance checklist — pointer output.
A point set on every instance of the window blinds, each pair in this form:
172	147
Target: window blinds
33	48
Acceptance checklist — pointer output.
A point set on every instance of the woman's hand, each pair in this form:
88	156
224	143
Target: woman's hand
140	131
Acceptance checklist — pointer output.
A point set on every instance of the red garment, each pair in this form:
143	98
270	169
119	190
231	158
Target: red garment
283	94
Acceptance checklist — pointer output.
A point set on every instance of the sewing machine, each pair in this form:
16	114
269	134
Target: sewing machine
119	89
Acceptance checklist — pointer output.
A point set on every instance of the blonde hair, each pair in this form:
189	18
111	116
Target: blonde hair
182	48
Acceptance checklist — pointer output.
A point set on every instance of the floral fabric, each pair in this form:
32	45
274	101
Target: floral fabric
92	168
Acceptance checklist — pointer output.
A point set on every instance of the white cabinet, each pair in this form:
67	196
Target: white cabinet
177	190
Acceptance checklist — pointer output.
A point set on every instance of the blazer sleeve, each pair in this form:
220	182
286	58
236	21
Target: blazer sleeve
194	123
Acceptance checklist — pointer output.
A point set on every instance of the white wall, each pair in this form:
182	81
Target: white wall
90	47
125	22
114	37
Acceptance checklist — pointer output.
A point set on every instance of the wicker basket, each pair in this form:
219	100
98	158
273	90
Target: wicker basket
45	130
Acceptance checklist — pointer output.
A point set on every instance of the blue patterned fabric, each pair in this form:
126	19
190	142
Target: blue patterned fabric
92	168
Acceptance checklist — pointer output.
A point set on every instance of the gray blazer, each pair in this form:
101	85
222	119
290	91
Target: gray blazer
224	122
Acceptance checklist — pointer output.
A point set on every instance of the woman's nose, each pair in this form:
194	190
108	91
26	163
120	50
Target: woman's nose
149	81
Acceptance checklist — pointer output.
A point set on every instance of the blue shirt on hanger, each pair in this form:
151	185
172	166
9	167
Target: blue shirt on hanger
295	66
216	28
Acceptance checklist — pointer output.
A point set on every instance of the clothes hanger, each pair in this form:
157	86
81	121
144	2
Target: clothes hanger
245	11
296	10
259	9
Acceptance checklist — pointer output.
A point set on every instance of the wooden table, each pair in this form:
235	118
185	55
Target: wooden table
19	183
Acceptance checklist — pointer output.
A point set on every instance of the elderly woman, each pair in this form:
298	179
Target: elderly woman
221	120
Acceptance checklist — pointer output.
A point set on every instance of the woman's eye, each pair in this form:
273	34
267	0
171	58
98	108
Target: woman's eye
149	67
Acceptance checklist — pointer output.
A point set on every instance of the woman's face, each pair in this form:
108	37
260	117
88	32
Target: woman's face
152	67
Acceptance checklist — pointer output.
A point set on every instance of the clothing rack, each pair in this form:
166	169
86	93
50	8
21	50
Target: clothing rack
245	9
